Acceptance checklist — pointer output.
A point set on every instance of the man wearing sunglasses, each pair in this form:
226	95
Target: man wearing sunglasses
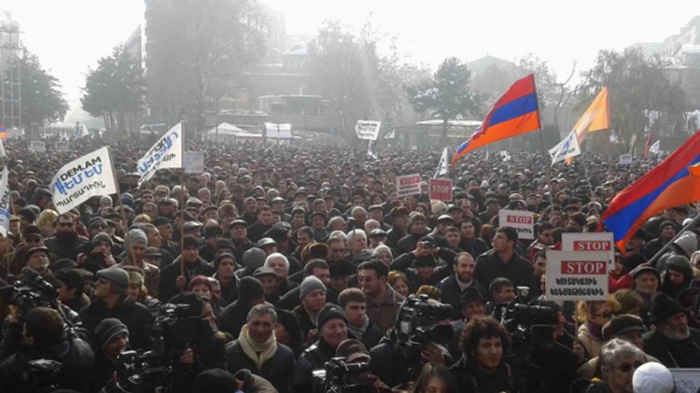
66	242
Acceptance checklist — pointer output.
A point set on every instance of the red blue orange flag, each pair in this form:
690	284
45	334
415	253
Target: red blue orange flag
515	113
674	182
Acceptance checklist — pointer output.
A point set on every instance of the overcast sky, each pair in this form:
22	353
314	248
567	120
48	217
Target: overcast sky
70	35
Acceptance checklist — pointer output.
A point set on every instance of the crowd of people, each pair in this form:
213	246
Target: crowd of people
257	273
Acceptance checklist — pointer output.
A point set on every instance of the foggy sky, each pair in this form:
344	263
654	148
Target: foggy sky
70	35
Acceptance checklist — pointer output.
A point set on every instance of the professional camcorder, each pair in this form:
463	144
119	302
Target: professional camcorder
33	291
341	377
418	324
173	331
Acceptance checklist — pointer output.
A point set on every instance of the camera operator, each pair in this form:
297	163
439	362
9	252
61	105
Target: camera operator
205	352
111	301
472	305
97	253
482	368
332	326
41	335
354	352
393	359
111	339
70	293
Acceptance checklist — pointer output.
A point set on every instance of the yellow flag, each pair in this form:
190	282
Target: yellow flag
596	118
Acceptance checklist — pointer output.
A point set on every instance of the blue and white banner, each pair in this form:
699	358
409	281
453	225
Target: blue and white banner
443	167
567	148
88	176
367	129
166	153
5	207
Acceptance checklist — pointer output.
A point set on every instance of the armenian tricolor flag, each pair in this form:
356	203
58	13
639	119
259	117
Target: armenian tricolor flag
515	113
674	182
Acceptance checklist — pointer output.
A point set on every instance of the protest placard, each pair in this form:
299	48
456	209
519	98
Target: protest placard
440	189
577	275
625	159
88	176
408	185
37	146
61	146
522	221
687	379
165	153
592	241
193	162
369	130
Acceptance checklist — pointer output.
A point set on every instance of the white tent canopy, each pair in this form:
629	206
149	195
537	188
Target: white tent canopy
228	129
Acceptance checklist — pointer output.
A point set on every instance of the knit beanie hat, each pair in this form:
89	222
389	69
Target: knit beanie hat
253	258
103	237
328	312
310	284
652	378
136	236
215	381
663	307
106	331
680	264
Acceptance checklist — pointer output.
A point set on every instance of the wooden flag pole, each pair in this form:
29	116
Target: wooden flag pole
125	221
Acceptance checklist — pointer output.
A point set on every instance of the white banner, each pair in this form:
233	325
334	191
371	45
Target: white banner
391	135
591	241
687	379
443	167
278	131
407	185
567	148
367	129
655	147
3	153
522	221
166	153
61	146
193	162
38	146
575	275
88	176
625	159
372	150
5	202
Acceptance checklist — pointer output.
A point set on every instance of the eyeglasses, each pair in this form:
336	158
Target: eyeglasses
627	367
606	315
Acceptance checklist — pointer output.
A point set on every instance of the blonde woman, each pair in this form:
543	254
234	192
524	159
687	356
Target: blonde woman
592	316
45	222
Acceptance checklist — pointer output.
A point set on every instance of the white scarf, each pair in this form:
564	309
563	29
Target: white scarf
258	353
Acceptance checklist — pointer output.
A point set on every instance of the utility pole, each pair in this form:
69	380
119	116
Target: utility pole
11	90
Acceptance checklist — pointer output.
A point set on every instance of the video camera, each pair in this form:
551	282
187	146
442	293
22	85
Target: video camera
33	291
417	325
528	323
341	377
173	331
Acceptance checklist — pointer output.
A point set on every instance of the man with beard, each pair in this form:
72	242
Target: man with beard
66	243
673	342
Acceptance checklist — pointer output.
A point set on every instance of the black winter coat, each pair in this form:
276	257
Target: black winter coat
313	358
73	353
168	277
137	318
490	267
278	370
452	294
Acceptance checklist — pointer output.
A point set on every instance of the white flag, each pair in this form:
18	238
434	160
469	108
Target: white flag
655	147
567	148
391	135
505	155
3	153
82	132
4	203
442	168
367	129
372	150
79	180
166	153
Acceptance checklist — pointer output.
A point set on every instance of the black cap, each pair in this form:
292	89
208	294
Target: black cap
191	226
213	230
328	312
471	294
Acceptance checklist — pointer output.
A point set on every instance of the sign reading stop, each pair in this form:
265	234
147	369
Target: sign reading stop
590	241
440	189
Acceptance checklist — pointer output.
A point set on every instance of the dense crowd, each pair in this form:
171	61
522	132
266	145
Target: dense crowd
279	261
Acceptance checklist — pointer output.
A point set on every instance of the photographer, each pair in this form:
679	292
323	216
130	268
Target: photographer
425	270
482	368
41	335
205	350
111	301
97	254
332	326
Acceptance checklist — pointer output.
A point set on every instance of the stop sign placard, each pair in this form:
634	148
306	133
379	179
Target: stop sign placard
590	241
440	189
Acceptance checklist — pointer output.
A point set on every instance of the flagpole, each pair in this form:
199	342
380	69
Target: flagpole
544	150
130	253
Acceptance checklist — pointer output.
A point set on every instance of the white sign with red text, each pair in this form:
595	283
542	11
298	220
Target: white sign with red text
522	221
598	241
408	185
577	275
